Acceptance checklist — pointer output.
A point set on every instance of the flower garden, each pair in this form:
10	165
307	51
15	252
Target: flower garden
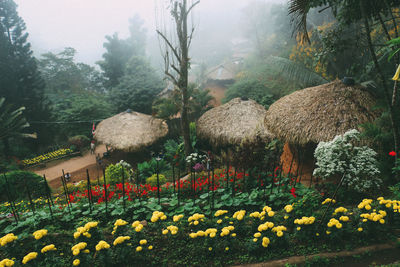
46	157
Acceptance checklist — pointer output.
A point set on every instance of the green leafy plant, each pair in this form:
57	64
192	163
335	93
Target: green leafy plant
19	181
114	173
152	180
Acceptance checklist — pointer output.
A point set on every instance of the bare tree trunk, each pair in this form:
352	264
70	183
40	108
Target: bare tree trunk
180	12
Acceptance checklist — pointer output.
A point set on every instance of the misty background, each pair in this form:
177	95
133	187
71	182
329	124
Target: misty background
83	25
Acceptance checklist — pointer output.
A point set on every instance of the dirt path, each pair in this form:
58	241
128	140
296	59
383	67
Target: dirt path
72	165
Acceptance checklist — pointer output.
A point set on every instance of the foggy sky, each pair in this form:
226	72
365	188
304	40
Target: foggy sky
83	24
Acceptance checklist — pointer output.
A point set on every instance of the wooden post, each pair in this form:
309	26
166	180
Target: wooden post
64	182
123	188
173	175
105	191
48	195
89	189
10	200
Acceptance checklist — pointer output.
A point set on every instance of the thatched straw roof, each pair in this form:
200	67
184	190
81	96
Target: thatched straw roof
130	131
320	113
238	121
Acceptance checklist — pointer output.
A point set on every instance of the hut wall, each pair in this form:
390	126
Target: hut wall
303	160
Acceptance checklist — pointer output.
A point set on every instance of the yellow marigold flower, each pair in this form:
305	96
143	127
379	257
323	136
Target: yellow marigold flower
8	238
227	248
317	234
258	234
139	248
76	252
40	233
279	233
120	240
194	235
382	221
212	235
76	235
76	262
135	224
86	251
233	234
298	228
288	208
220	212
6	263
367	207
196	222
265	242
285	217
48	248
165	231
120	222
219	221
271	213
150	248
360	229
29	257
210	248
328	232
176	218
139	228
102	245
143	242
338	225
255	240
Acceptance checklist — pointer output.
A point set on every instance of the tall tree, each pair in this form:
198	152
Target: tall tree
177	64
138	87
119	51
20	80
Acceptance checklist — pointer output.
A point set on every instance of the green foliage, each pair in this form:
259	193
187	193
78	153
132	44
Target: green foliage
297	72
19	181
84	106
148	168
20	80
250	88
137	89
152	180
114	173
79	141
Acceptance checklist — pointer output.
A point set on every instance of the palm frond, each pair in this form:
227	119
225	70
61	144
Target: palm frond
298	10
296	72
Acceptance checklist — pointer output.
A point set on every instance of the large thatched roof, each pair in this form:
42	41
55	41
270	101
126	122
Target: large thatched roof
238	121
320	113
130	131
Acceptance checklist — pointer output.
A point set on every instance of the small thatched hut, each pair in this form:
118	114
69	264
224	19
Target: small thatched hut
236	122
309	116
130	131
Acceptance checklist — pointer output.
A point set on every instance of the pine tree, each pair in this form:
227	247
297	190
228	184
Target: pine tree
20	80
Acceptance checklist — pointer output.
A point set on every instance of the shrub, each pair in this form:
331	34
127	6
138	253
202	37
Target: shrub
147	168
79	141
18	181
152	180
341	157
114	173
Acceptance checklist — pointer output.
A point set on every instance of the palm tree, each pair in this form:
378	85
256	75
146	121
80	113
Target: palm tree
12	124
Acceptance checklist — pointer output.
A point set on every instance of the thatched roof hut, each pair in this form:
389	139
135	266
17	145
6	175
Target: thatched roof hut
236	122
320	113
130	131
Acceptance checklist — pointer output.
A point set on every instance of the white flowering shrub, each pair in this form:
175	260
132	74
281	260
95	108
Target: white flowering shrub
340	156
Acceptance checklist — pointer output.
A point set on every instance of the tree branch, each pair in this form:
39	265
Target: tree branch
169	45
190	38
192	6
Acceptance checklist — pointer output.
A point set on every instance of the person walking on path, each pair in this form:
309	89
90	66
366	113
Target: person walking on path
92	147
